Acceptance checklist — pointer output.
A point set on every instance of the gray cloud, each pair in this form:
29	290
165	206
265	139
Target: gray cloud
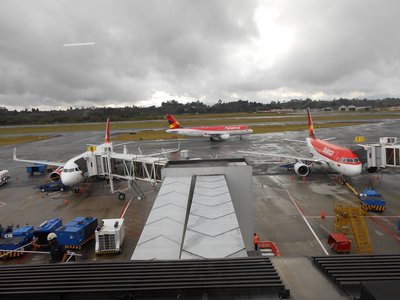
206	50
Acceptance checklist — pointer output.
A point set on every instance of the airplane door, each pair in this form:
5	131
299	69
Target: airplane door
91	166
99	164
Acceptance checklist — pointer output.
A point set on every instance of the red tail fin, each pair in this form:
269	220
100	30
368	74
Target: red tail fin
311	133
107	138
173	123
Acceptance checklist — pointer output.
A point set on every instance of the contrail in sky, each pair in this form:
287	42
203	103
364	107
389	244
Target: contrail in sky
79	44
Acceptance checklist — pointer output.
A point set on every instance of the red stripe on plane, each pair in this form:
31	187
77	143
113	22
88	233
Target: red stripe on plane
333	152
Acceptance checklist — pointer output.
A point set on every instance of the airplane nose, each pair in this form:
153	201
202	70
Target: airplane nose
70	179
355	170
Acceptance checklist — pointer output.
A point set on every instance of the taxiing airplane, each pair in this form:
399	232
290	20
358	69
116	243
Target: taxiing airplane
101	160
212	132
330	156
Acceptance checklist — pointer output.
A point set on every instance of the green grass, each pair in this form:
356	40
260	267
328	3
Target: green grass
21	139
259	125
192	120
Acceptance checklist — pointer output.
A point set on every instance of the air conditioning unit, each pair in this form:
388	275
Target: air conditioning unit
109	236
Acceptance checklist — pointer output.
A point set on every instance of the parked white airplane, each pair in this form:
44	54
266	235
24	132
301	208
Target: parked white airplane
100	160
333	157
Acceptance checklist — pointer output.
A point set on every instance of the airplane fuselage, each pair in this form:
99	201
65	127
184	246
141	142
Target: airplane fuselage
338	159
213	131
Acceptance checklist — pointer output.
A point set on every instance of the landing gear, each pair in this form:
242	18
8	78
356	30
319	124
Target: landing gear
121	196
77	190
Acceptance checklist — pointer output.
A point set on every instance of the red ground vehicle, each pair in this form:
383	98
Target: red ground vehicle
268	248
339	243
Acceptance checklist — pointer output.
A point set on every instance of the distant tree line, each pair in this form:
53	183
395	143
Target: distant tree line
131	113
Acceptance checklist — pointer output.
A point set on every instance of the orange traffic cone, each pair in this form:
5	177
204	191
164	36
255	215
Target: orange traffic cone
66	202
322	215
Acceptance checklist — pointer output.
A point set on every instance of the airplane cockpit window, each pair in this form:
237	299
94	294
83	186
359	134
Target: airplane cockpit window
352	160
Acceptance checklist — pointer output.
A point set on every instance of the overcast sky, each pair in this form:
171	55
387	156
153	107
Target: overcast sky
148	51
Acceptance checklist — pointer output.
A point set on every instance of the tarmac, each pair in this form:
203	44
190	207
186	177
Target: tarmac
287	209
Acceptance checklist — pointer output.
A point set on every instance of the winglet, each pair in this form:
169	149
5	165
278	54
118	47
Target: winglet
173	123
107	138
311	133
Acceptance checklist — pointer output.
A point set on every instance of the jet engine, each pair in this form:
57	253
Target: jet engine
56	174
225	136
301	169
372	170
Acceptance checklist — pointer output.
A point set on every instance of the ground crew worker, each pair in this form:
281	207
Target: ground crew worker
57	251
256	240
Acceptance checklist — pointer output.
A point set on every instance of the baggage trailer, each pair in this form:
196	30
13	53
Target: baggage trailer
4	176
45	228
36	169
339	243
77	232
15	240
110	236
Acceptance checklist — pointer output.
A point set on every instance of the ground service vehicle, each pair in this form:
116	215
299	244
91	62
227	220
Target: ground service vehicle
77	232
51	225
15	239
4	177
371	200
339	243
52	186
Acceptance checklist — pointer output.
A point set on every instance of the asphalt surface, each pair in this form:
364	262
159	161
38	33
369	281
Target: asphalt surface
287	208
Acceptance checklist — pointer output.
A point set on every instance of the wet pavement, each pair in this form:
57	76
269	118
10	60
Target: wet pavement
287	208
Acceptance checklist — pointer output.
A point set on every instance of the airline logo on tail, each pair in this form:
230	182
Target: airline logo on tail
310	125
173	123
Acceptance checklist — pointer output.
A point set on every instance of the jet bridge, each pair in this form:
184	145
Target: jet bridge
384	154
103	162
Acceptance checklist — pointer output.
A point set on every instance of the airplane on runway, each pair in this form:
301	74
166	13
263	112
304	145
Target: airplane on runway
330	156
101	160
212	132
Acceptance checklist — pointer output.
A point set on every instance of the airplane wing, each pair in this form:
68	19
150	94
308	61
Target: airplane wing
163	152
297	158
43	162
304	142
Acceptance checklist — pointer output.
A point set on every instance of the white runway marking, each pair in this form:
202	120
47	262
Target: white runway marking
301	213
308	224
2	204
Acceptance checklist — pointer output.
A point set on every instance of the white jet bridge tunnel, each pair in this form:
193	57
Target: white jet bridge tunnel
124	166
